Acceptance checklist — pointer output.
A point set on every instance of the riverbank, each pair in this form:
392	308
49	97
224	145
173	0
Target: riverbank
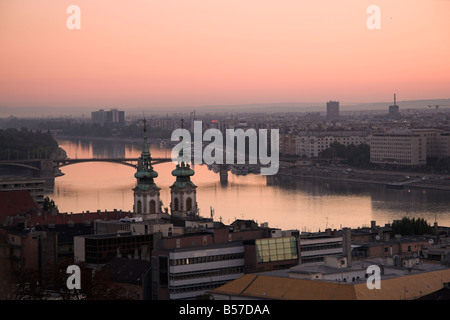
389	179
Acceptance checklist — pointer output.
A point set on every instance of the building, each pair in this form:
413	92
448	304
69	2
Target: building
16	206
335	280
316	248
271	253
437	142
183	192
147	203
99	249
403	148
189	265
332	110
34	186
311	144
113	117
132	276
409	148
186	273
30	251
394	112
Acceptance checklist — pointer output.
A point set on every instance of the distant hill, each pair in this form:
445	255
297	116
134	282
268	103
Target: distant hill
44	112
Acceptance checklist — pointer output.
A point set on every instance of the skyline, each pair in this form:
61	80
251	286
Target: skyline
166	55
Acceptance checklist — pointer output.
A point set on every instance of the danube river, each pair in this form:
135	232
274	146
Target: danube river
282	202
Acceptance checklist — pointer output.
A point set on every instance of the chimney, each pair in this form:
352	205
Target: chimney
347	245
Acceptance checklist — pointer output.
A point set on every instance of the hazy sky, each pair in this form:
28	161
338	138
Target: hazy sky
194	52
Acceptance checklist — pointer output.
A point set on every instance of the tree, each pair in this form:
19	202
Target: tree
49	205
408	226
358	156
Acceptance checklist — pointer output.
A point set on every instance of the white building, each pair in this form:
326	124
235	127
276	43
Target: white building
409	148
310	145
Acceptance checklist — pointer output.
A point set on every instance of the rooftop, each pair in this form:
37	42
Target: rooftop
17	202
271	285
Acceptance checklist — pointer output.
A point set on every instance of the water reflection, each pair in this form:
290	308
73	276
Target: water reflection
284	202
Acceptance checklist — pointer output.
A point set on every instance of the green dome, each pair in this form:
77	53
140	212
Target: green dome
146	174
183	171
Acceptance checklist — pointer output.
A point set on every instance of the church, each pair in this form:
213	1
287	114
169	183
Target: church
147	203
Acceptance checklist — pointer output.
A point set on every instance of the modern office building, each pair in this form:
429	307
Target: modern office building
99	249
186	273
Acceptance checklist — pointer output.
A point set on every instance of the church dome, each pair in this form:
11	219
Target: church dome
183	171
146	174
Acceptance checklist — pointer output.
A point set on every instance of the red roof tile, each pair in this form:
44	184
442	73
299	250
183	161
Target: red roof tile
17	202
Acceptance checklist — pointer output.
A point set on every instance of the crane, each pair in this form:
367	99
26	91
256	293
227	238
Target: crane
437	106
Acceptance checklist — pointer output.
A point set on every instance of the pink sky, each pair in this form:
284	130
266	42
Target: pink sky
141	53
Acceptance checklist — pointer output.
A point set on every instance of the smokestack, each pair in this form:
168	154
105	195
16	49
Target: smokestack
395	99
347	245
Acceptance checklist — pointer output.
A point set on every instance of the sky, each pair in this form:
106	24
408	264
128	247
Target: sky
154	53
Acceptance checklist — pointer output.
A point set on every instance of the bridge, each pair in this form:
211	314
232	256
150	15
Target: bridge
46	167
132	162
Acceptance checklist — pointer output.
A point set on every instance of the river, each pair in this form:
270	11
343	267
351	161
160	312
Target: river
282	202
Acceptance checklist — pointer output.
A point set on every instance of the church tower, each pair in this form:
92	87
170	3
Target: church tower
183	191
147	204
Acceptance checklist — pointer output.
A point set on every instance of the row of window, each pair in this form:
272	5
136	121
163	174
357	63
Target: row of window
195	260
209	274
316	247
197	288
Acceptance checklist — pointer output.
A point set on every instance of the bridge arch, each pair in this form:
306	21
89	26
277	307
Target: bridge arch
20	165
69	163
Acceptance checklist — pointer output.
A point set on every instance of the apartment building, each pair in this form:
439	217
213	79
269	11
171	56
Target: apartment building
437	142
110	117
409	148
310	145
34	186
332	110
398	148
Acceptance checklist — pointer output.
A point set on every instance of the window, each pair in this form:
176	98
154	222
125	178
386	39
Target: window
189	204
152	206
139	207
163	271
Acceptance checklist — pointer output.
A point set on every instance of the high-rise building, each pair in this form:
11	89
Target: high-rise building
111	117
332	110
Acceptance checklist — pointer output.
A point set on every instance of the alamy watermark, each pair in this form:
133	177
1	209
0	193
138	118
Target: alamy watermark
374	278
73	22
217	153
74	280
